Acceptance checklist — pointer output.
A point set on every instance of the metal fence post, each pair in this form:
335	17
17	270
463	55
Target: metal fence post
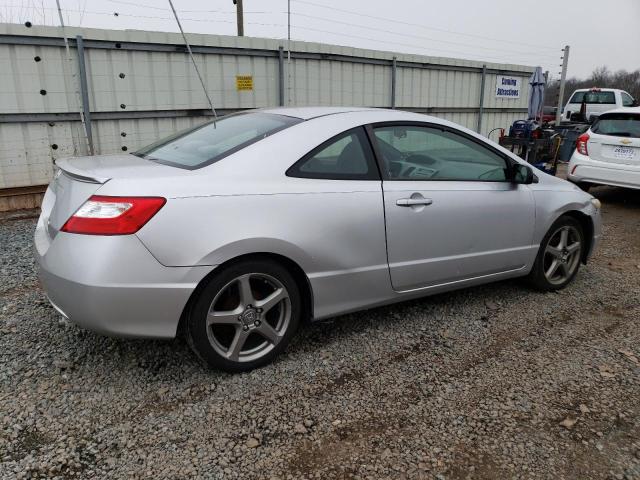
481	106
394	68
281	75
84	90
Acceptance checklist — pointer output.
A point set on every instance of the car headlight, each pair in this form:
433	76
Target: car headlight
596	203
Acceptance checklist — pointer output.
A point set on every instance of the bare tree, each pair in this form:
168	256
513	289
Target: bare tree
601	77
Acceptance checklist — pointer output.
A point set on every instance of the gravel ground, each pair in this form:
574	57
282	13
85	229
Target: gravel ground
490	382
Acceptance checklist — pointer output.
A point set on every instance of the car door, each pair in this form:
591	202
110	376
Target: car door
451	212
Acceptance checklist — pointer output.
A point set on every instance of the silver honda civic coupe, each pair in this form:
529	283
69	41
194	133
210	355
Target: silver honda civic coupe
237	231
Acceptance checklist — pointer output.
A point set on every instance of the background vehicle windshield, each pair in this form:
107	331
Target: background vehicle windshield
208	143
618	125
593	97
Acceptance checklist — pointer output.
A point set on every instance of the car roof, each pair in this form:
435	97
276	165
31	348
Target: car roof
307	113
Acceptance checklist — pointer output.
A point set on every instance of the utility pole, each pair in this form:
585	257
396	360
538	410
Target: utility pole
240	17
563	78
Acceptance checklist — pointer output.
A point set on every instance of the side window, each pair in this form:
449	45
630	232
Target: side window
627	100
347	156
425	153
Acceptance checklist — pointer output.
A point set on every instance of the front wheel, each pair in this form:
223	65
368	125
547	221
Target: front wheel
559	256
245	316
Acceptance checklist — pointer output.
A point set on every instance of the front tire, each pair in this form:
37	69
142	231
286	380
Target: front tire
245	316
559	257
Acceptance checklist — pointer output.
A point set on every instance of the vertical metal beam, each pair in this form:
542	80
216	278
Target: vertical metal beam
84	93
481	106
563	79
281	75
394	69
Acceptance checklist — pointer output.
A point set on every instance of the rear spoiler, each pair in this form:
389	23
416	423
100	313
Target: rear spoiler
77	174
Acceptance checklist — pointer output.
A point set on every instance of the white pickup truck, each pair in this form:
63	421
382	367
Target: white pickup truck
596	101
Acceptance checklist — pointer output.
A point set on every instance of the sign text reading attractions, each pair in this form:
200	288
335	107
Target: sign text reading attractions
507	87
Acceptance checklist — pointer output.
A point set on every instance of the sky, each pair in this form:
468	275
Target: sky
527	33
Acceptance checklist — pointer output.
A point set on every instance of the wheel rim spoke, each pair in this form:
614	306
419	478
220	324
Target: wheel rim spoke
268	332
246	295
223	318
552	269
233	353
272	300
573	247
554	251
564	237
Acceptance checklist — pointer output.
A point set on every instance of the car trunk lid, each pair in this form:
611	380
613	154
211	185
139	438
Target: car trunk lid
80	177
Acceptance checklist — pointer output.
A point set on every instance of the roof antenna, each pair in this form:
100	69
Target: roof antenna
85	127
195	65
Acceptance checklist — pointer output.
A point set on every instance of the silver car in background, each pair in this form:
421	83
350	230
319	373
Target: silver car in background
238	230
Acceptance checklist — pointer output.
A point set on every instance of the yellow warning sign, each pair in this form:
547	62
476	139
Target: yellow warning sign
244	82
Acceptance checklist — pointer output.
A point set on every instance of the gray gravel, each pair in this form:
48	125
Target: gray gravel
490	382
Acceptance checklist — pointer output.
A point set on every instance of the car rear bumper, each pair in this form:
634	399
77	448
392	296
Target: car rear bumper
112	284
583	169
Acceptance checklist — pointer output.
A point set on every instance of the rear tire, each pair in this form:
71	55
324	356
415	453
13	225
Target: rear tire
559	257
245	316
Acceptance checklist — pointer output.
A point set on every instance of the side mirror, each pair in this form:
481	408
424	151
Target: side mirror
522	174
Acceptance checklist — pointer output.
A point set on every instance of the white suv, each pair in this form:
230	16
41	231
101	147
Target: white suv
597	101
609	152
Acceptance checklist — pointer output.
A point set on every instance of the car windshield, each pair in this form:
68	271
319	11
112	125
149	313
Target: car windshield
618	125
208	143
593	97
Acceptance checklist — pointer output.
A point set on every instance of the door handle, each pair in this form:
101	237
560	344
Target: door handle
410	202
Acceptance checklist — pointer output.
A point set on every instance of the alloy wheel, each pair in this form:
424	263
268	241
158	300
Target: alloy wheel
562	254
248	317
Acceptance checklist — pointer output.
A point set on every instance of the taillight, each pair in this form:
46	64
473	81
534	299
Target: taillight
581	144
102	215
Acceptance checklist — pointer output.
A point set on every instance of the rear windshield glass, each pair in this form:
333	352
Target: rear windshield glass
208	143
594	97
618	125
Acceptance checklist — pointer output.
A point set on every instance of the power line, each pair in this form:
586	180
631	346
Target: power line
421	47
460	54
153	7
420	37
119	14
361	14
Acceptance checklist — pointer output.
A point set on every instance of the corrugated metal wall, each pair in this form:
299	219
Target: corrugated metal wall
141	86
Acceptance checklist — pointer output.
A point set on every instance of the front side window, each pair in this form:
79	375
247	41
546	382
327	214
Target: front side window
347	156
627	100
426	153
208	143
618	125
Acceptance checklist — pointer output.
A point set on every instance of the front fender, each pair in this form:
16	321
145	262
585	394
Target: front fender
551	205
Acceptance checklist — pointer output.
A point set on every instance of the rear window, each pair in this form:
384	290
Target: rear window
618	125
594	97
208	143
